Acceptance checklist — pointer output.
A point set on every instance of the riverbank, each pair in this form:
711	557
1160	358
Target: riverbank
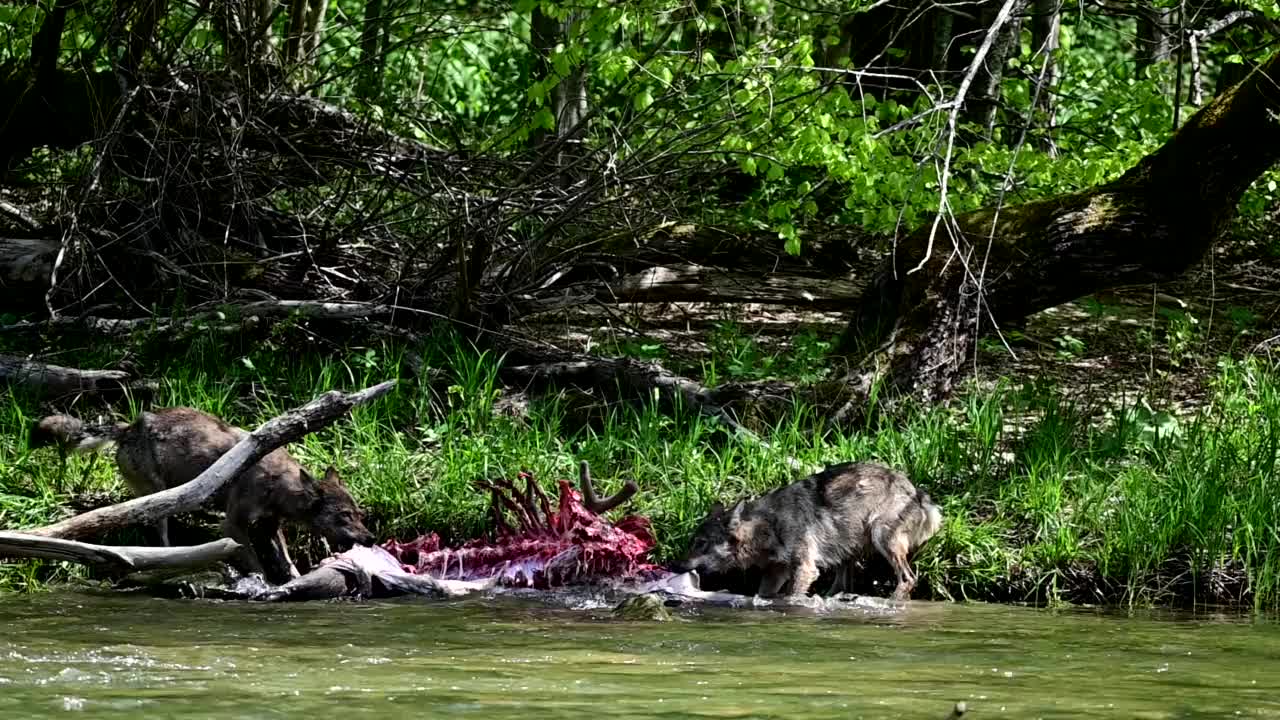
1050	496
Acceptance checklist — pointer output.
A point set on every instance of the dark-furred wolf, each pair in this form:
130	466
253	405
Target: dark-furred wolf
168	447
825	520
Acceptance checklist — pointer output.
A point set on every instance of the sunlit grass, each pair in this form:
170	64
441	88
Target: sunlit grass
1038	491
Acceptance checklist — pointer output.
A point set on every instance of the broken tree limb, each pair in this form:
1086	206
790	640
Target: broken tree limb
57	380
119	558
272	434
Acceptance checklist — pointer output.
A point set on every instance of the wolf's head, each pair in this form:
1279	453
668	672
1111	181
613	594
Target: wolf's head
715	544
336	515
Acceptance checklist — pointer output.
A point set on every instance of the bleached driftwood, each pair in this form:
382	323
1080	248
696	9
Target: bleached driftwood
120	558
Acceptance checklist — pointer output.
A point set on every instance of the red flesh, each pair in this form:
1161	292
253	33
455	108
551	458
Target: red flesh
545	548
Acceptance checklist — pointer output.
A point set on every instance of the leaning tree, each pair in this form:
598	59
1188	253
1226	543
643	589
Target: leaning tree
951	280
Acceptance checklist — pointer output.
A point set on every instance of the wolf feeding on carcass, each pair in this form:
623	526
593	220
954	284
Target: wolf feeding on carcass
829	519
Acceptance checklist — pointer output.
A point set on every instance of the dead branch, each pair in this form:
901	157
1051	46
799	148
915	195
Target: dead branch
600	505
272	434
125	559
58	380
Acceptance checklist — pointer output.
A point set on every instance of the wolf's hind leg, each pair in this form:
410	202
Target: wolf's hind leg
893	544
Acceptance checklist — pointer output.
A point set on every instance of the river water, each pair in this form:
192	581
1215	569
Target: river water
115	656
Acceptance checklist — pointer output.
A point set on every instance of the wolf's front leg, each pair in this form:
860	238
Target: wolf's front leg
248	556
803	578
162	531
280	554
268	541
775	576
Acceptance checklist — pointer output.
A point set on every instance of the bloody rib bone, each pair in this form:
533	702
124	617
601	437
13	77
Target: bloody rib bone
594	503
538	544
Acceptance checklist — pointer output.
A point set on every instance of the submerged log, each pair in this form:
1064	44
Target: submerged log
369	572
274	433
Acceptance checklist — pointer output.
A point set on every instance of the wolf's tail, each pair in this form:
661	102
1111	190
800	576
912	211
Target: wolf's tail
932	516
73	435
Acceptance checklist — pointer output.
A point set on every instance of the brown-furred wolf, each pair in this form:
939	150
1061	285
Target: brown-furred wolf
168	447
828	519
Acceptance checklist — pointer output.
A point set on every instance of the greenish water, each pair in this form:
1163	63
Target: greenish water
92	655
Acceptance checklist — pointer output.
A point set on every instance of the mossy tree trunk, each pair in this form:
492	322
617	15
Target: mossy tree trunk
917	330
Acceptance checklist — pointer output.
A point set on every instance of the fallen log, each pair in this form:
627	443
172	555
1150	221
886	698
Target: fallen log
272	434
26	262
59	380
697	283
639	379
125	559
249	313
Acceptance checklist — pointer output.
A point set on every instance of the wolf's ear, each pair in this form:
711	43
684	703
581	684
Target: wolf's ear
717	508
331	476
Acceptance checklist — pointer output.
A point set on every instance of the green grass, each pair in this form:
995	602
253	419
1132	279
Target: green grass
1045	500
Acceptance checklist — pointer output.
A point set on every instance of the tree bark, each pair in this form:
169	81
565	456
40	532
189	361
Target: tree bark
272	434
1150	225
306	22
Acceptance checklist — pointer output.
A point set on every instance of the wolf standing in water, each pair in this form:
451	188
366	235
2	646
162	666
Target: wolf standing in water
824	520
170	447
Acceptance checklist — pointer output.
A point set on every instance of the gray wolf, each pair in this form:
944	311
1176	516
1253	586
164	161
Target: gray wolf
168	447
828	519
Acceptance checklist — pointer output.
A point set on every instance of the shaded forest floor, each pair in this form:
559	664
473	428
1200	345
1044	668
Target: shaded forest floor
1117	449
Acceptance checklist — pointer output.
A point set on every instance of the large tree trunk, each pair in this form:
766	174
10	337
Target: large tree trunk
984	105
1154	33
918	326
373	44
1046	31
